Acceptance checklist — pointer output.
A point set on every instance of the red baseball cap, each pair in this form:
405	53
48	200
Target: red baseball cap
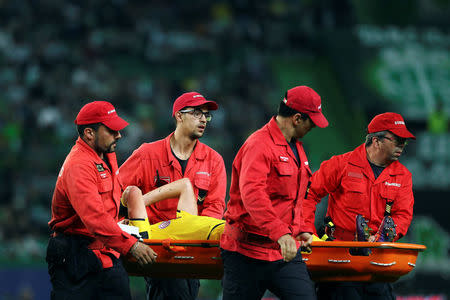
100	112
392	122
192	99
305	100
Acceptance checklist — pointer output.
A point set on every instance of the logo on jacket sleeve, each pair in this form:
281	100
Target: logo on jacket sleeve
284	158
392	184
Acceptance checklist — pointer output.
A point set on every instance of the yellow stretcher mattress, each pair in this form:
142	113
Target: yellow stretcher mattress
328	261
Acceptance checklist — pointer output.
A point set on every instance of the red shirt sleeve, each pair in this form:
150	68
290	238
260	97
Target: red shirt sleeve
131	171
83	192
402	210
323	182
214	204
255	169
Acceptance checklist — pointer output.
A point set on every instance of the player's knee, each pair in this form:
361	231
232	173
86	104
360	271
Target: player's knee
132	193
187	184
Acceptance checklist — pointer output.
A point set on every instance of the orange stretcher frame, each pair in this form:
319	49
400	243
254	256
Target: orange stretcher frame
328	261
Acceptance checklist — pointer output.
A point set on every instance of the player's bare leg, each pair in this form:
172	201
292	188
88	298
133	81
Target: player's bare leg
187	201
136	202
132	198
181	189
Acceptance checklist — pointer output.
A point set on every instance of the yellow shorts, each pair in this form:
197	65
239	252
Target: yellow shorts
188	227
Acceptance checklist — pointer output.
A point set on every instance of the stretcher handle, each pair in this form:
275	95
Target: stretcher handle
169	248
381	245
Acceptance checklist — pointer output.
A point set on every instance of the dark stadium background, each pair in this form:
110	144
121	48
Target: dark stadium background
362	57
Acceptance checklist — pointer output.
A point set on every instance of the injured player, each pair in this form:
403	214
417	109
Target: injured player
186	226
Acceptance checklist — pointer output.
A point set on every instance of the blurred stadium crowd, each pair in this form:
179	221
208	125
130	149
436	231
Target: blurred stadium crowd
140	55
56	56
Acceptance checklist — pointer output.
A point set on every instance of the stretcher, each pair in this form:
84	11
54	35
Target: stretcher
328	261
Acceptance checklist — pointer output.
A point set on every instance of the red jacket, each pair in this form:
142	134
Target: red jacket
266	193
353	190
86	202
205	169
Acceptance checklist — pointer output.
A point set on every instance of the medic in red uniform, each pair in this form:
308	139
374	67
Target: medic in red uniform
180	155
355	187
83	253
371	182
264	215
177	156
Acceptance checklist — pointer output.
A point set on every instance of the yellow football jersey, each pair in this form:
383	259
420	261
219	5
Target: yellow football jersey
188	227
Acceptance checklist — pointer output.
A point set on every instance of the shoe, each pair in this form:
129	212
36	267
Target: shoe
329	229
144	234
362	234
363	230
326	232
386	231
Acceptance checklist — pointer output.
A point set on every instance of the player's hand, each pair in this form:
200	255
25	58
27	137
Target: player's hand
288	247
305	239
143	253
